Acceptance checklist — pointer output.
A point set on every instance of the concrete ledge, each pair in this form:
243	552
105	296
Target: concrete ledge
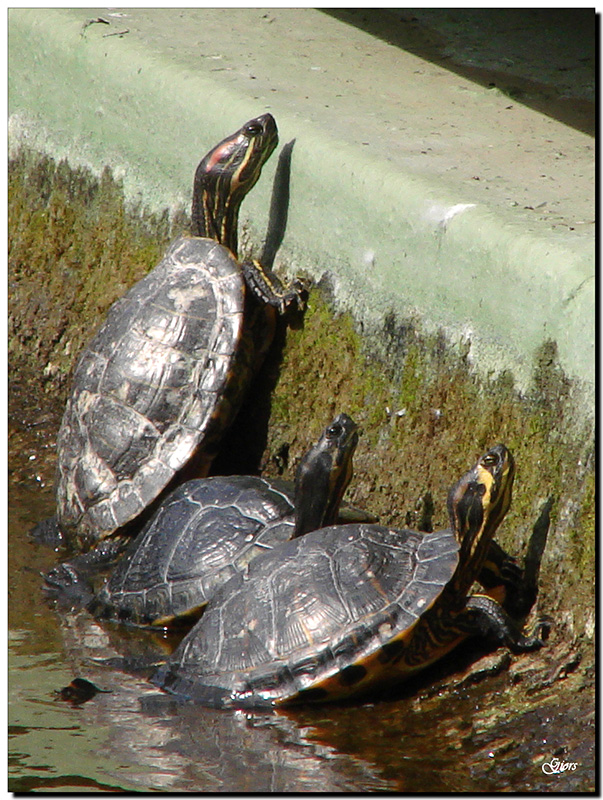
414	189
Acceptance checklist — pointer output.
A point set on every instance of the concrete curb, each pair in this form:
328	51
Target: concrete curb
421	243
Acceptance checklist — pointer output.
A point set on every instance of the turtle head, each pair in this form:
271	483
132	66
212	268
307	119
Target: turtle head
477	505
226	174
323	475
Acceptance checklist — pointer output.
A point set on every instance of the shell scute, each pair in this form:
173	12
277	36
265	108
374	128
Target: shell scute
91	371
263	507
418	596
147	477
215	372
226	336
130	502
304	671
94	482
204	533
103	514
250	649
346	649
177	445
267	682
438	569
436	544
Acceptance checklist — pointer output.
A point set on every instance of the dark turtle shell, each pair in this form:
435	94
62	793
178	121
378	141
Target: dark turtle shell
158	378
205	532
313	617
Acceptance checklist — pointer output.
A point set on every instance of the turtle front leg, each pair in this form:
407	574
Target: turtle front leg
265	284
70	583
483	616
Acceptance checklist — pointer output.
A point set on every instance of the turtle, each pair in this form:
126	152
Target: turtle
209	529
167	370
348	609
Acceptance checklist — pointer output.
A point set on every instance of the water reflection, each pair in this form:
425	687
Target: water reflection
165	745
130	736
246	752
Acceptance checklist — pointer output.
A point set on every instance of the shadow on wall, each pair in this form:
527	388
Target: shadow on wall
545	58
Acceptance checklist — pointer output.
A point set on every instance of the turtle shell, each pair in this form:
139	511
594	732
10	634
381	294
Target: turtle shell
159	380
318	618
205	532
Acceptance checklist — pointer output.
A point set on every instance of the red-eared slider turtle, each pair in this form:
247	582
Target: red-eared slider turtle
167	370
348	608
209	529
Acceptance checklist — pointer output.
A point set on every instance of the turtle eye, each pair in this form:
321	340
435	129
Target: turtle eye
334	431
489	460
253	128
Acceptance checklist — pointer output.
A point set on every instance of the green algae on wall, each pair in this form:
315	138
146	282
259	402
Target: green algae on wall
73	250
425	411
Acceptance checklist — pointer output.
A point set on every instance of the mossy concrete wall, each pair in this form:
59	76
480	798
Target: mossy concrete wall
426	413
420	193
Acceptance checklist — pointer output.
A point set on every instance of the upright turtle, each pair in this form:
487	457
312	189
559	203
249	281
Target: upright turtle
344	609
209	529
166	372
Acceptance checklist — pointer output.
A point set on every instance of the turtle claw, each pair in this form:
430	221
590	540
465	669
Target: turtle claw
265	284
61	577
295	298
67	586
537	637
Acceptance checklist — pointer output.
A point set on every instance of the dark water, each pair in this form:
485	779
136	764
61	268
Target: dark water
443	734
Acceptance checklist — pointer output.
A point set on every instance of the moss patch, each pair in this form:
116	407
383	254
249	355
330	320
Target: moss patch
73	250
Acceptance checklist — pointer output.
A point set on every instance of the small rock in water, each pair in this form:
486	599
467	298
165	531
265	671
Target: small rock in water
78	691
